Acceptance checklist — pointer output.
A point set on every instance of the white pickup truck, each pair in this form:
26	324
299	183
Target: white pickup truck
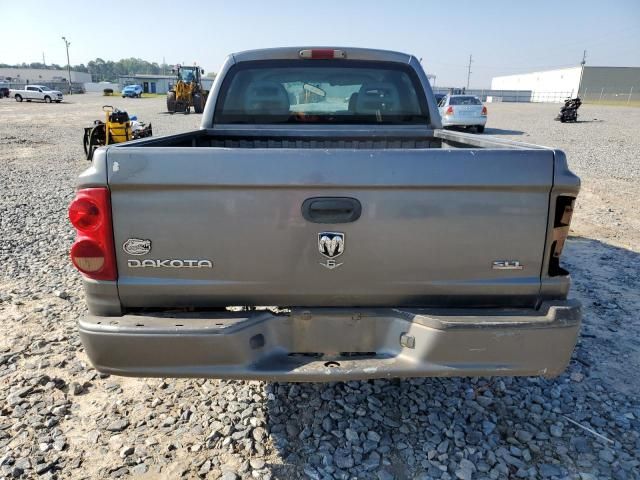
36	92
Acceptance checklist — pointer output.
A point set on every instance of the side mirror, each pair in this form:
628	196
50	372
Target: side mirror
202	71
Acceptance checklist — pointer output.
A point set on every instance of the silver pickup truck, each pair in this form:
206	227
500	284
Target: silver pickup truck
321	225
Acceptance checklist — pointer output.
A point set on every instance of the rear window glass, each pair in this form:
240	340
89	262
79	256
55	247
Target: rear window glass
464	101
321	91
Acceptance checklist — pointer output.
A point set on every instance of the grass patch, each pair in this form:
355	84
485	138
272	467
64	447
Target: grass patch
613	103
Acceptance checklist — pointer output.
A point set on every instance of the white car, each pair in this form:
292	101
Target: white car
36	92
463	111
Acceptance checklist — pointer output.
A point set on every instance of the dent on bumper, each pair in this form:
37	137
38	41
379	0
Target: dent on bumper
335	344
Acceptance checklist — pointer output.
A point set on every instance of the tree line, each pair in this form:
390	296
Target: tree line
108	70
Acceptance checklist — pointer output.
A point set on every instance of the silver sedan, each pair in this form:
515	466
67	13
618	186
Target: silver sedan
463	111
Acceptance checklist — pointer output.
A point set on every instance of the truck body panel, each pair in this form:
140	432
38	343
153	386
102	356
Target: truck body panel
432	224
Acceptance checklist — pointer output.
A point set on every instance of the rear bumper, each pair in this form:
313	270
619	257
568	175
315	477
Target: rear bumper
451	121
336	344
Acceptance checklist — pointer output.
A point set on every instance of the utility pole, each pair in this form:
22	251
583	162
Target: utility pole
43	60
469	70
66	44
582	63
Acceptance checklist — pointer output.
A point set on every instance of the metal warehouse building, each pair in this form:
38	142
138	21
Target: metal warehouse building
618	84
41	75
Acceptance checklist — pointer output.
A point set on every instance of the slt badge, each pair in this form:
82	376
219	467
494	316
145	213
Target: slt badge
137	246
331	245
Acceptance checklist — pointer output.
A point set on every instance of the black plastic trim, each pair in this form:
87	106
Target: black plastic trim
331	209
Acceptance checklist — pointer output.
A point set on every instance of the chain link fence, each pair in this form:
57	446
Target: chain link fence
60	86
603	96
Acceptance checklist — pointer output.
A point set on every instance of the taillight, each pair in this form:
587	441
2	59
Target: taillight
322	53
484	111
84	214
561	225
449	111
93	251
88	256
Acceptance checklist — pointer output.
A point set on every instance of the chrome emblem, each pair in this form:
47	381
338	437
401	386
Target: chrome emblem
507	265
331	245
137	246
169	263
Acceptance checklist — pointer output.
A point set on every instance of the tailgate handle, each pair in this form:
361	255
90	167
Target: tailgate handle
331	209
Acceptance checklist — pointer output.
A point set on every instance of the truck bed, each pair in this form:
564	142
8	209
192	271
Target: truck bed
393	138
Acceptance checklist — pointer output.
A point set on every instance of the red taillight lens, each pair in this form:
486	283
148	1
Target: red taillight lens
449	111
484	111
322	53
84	214
93	252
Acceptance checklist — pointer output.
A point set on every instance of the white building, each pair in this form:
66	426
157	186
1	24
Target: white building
594	83
41	75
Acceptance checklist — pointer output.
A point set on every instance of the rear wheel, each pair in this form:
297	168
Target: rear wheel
198	103
47	99
480	128
18	98
171	102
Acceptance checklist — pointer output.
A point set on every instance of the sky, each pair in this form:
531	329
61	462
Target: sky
503	37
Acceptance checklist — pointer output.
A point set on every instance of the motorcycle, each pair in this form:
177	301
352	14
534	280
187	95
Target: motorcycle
569	112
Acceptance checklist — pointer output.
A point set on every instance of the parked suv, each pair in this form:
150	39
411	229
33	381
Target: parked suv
132	91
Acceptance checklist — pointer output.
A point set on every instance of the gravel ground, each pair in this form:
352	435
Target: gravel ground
59	418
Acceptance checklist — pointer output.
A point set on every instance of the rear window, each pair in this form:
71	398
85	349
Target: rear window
464	101
321	91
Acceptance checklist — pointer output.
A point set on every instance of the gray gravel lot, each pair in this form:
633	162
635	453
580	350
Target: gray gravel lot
59	418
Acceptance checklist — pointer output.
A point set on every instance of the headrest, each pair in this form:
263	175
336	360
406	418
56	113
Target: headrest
352	101
374	97
266	98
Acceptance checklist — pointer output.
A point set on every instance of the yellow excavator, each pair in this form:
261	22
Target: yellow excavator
187	92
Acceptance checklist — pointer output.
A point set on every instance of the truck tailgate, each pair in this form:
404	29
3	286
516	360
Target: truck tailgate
432	224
